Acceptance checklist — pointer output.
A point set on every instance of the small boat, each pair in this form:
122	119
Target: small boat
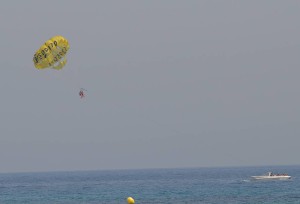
270	175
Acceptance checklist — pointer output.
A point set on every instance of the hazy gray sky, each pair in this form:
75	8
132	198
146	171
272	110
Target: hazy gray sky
170	84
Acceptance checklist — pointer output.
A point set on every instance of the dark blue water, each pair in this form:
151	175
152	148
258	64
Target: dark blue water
196	185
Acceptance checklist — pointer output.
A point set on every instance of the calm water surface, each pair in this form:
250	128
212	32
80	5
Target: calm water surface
194	185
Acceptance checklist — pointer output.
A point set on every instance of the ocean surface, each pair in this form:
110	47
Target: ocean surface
188	185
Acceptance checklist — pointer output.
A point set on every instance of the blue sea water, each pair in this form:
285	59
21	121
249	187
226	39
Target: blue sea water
190	185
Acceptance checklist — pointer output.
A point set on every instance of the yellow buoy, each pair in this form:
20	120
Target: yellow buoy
130	200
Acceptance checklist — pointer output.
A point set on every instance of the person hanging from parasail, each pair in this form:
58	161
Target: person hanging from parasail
81	93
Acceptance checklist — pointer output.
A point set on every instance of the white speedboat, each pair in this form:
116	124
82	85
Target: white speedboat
270	175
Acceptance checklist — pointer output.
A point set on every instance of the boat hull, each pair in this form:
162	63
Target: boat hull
271	177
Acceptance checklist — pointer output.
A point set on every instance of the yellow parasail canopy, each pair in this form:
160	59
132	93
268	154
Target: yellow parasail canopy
52	54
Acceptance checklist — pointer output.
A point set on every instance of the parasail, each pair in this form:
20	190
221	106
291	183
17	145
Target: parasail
52	54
